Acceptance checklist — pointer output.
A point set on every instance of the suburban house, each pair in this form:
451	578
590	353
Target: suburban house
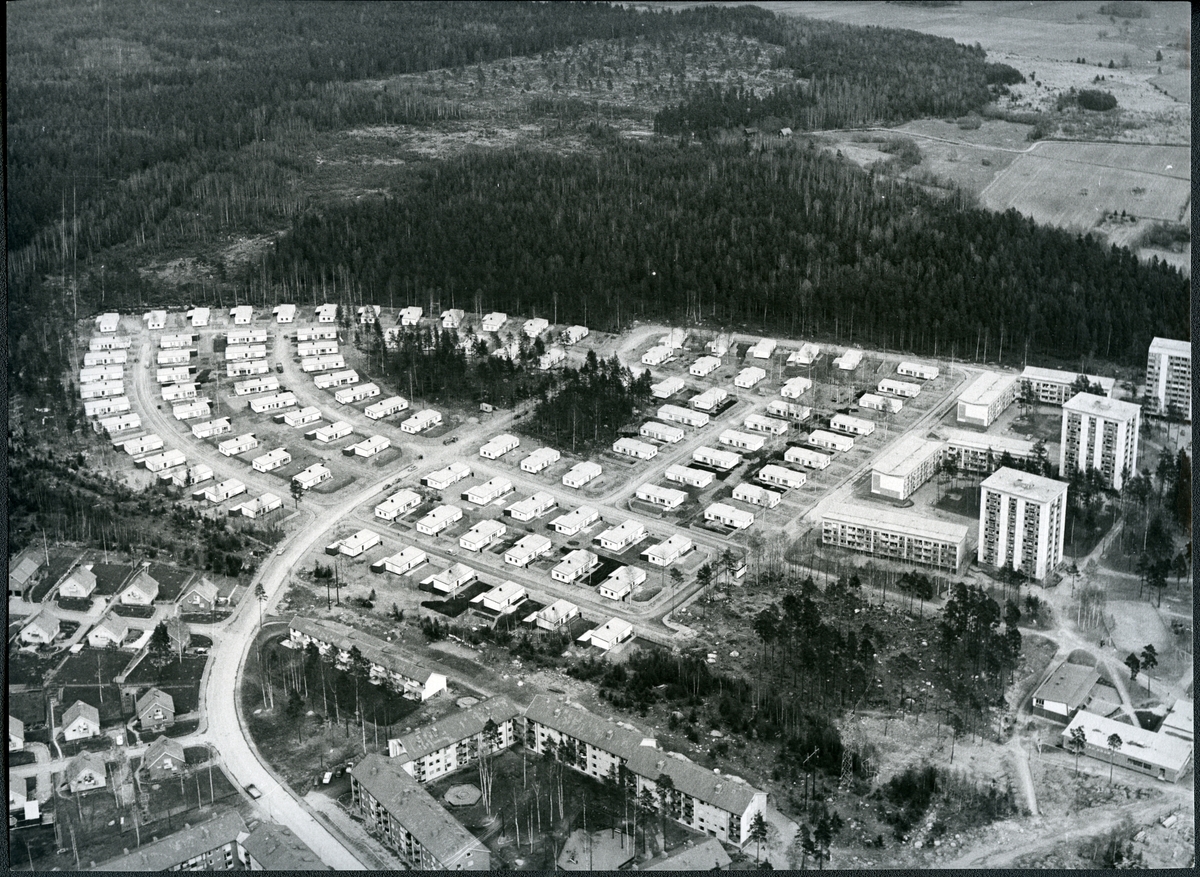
84	772
41	630
500	601
80	721
141	590
79	584
23	571
110	631
611	633
200	596
155	710
16	734
164	758
554	616
454	741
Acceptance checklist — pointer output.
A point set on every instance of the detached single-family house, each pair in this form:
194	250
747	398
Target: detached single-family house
23	571
111	630
142	589
326	313
164	758
16	734
84	772
609	634
79	584
452	318
200	596
155	710
80	721
41	630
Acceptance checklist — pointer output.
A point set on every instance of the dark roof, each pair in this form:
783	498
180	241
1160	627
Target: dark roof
177	848
450	729
1069	684
577	722
704	856
144	582
205	588
160	747
80	708
153	696
731	794
277	848
415	809
374	649
85	760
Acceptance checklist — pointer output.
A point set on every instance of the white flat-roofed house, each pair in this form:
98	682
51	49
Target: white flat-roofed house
397	504
333	432
895	534
241	315
849	360
709	400
227	489
245	351
666	553
197	474
830	440
788	410
554	616
453	579
704	366
174	374
905	466
574	522
498	446
105	357
794	388
540	459
574	334
662	432
621	583
675	339
806	355
439	519
268	502
101	390
755	495
483	535
1159	755
323	347
906	389
781	476
143	445
256	385
555	356
657	355
533	507
284	313
749	377
246	336
717	459
405	561
499	601
316	333
719	346
527	549
443	478
119	343
386	407
621	537
272	460
666	388
1022	522
274	402
677	414
326	313
220	426
917	370
741	440
198	317
769	425
875	402
106	406
170	357
764	348
851	425
96	373
155	319
363	540
986	398
1053	387
534	327
609	634
1099	433
348	395
574	566
301	416
238	445
367	315
488	491
666	497
426	418
728	516
312	476
120	423
631	447
494	321
1169	377
452	318
581	473
246	368
689	476
166	460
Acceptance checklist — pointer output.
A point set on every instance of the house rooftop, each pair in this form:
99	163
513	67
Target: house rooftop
450	729
1102	406
178	848
727	793
160	747
80	709
155	696
1026	485
277	848
1069	684
707	855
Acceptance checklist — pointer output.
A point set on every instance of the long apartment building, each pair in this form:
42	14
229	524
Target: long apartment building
977	453
905	466
895	534
1169	375
1022	522
453	741
1100	433
1053	387
986	398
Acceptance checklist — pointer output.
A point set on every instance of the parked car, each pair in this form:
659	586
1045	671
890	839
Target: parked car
252	791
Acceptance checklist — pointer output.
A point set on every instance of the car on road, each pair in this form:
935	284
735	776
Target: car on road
279	552
450	441
252	791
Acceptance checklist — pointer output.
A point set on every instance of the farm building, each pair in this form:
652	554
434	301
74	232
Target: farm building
662	432
499	446
198	317
689	476
405	561
581	473
224	490
246	336
273	403
830	440
483	535
117	343
555	356
574	522
79	584
806	355
621	537
875	402
666	497
143	445
1162	756
749	377
210	428
316	333
787	410
101	373
494	321
272	460
197	474
452	318
574	566
851	425
284	313
709	400
899	535
763	349
1064	692
917	370
755	495
666	553
527	549
631	447
453	579
905	389
165	460
656	355
260	506
439	519
781	477
301	416
488	491
312	476
326	313
424	419
554	616
111	631
155	319
794	388
905	466
609	634
666	388
540	459
535	327
101	390
722	460
239	445
728	516
247	368
120	423
769	425
453	742
976	453
348	395
533	507
676	414
241	315
1052	387
256	385
171	357
704	366
386	408
849	360
574	334
499	601
986	398
180	392
621	583
741	440
105	357
236	352
81	721
397	504
310	349
333	432
363	540
443	478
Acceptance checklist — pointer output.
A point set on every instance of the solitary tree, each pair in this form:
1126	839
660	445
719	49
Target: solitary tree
1076	744
489	744
260	594
1149	658
1114	743
758	832
1134	665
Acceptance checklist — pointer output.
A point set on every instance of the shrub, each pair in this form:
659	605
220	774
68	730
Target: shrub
1096	100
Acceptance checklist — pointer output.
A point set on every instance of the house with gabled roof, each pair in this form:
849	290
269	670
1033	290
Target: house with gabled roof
163	758
111	630
16	734
41	630
80	721
86	771
79	584
155	710
141	590
23	571
200	596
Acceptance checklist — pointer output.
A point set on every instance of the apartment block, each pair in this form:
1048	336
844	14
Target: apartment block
889	533
1100	433
1022	522
1169	375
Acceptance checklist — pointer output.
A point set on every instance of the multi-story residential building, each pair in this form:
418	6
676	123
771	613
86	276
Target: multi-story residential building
905	466
1053	387
1099	433
1022	522
592	745
986	398
976	453
1169	376
890	533
210	846
454	741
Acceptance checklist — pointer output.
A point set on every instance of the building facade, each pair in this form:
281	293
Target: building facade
1169	376
1100	433
1022	522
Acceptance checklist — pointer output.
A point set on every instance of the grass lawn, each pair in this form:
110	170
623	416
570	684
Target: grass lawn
110	577
188	670
75	604
16	759
175	801
60	561
110	707
92	664
179	729
205	618
457	605
134	611
171	580
28	706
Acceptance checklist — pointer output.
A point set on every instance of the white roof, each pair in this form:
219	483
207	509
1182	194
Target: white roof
1172	347
906	455
879	517
587	467
532	542
1160	750
1052	375
727	511
985	388
1024	484
1102	406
